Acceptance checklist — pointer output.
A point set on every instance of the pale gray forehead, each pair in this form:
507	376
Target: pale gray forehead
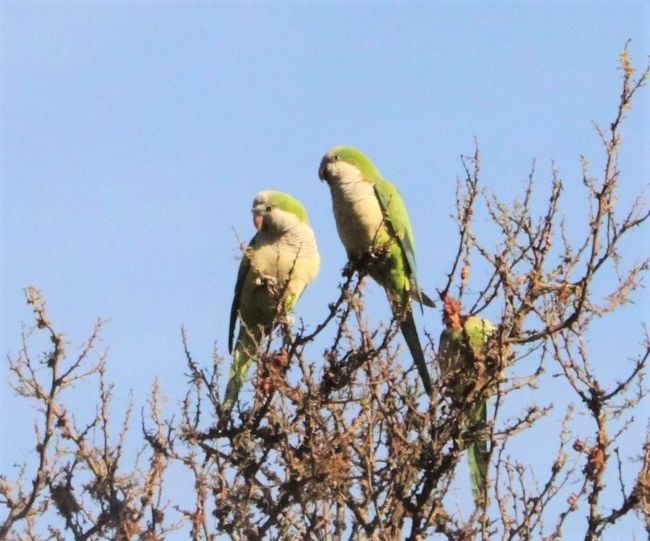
331	152
261	198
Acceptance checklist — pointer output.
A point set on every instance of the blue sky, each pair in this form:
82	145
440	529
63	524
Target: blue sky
134	136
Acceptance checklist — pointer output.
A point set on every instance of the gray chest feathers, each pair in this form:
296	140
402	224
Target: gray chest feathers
358	215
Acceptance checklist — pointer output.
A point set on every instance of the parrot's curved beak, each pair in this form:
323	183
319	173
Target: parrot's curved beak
322	169
258	220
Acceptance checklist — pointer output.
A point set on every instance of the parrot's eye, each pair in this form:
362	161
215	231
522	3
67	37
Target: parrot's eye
268	208
337	157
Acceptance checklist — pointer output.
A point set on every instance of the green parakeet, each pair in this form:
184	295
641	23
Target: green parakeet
281	259
463	362
375	229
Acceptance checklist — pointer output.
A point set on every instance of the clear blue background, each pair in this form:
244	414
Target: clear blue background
135	135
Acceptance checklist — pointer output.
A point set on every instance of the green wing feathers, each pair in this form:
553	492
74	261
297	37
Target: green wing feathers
242	273
478	331
244	355
402	280
392	205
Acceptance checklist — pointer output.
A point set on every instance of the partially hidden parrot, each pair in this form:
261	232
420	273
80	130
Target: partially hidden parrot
375	229
279	262
463	359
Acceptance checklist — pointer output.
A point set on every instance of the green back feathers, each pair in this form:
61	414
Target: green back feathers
475	333
394	208
283	201
478	331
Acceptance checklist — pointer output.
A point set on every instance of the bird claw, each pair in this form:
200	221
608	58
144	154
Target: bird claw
348	269
267	282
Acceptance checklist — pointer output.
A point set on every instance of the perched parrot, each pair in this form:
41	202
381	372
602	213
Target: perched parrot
462	358
281	259
374	227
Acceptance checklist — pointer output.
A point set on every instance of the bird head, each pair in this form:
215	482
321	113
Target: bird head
277	212
343	162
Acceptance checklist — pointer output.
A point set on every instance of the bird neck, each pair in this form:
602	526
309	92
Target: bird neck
351	188
299	236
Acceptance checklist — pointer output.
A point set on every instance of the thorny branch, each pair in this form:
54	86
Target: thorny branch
346	445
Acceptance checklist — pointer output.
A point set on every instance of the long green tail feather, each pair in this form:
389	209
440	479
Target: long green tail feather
410	333
477	453
242	359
